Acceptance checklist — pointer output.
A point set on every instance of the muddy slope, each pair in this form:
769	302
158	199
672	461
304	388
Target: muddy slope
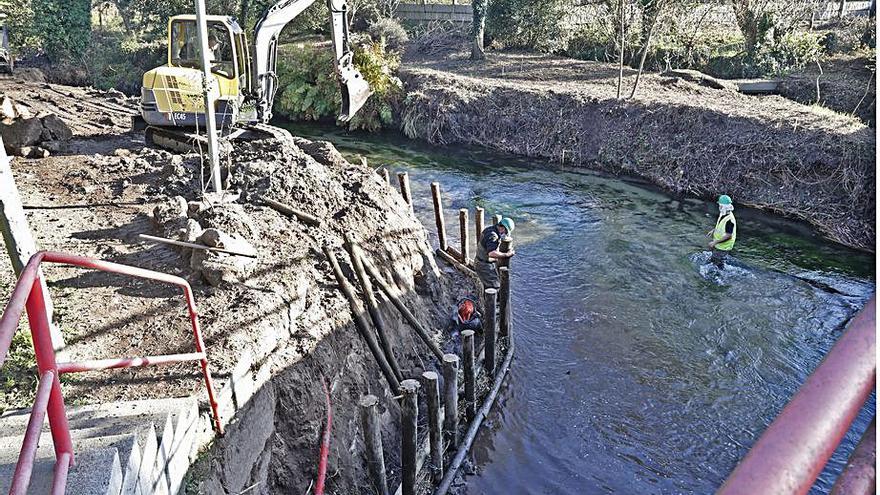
282	310
767	152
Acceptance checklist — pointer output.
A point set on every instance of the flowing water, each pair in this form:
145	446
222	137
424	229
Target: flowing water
639	369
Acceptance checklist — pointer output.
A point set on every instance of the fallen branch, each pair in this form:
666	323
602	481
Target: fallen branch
192	245
289	210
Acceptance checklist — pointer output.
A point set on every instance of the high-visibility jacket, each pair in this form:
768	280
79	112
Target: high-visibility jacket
721	231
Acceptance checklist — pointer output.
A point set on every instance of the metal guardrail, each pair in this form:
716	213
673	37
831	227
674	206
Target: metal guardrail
793	450
28	295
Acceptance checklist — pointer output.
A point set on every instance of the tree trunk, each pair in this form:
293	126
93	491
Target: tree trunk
243	13
479	29
645	48
622	46
842	10
747	20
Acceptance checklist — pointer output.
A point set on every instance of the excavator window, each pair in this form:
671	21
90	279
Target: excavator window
185	47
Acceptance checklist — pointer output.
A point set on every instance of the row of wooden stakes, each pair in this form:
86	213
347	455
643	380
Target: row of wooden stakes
444	430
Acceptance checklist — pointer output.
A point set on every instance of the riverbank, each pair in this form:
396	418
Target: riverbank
768	152
279	319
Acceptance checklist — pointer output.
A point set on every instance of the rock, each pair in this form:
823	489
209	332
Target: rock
193	231
121	152
57	128
21	132
7	108
31	152
213	238
106	120
22	111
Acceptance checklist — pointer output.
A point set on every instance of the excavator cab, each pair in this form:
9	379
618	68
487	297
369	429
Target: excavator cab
244	77
171	95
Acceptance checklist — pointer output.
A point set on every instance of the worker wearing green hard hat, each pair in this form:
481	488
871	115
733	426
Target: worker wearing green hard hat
724	233
487	252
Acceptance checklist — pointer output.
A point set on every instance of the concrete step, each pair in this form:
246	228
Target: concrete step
96	472
155	440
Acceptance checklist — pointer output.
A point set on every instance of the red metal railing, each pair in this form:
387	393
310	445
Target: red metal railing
49	400
794	449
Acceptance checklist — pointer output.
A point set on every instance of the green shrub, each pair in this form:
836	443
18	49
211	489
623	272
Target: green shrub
530	24
64	26
791	51
389	31
309	89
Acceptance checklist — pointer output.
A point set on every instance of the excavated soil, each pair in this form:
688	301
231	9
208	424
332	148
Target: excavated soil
767	152
284	308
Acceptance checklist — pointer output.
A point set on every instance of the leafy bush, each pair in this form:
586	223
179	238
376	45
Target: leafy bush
791	51
531	24
64	26
389	31
309	88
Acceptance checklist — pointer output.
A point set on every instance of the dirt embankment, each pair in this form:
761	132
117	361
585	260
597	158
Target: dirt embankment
767	152
104	187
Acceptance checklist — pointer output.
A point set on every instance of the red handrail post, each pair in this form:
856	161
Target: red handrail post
45	357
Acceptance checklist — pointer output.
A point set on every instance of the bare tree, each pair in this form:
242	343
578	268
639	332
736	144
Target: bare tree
622	45
652	10
479	29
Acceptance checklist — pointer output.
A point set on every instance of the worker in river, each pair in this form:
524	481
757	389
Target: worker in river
488	253
724	233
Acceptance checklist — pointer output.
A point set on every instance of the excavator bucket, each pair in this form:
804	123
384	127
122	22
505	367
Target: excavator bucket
355	92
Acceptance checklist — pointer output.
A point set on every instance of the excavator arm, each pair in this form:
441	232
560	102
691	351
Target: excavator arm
355	89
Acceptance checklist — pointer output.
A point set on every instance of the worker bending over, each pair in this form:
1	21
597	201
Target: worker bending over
487	252
724	233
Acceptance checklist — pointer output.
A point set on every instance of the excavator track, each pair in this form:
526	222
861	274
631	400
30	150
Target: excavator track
185	141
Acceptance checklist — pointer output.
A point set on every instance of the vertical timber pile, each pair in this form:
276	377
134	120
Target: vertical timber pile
385	176
373	443
409	434
450	384
470	393
504	294
465	237
479	220
403	179
431	383
438	215
490	332
504	328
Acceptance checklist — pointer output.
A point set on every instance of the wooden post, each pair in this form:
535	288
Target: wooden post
385	175
470	397
465	238
17	237
373	443
431	383
403	179
360	322
496	219
479	220
438	215
409	434
450	392
504	296
490	329
372	303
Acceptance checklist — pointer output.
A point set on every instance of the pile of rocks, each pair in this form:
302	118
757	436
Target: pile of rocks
30	136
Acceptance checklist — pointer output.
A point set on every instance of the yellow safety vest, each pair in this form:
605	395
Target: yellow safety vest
721	231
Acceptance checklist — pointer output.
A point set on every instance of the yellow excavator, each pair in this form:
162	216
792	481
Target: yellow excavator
172	100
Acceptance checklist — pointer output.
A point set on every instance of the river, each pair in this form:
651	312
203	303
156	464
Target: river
639	369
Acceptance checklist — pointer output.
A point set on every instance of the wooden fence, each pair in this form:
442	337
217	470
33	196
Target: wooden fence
712	13
427	12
